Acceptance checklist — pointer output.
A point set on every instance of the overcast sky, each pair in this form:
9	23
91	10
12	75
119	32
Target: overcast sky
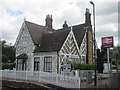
13	12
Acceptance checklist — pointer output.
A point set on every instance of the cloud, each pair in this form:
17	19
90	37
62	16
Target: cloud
13	12
107	19
106	8
107	30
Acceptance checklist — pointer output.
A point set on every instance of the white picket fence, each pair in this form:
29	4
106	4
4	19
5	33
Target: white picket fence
50	78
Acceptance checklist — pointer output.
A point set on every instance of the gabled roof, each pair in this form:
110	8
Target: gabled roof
79	32
36	31
54	41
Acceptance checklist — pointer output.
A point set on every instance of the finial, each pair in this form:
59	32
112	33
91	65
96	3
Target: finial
24	19
65	25
71	27
65	22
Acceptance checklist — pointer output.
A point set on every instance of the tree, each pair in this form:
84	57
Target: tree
8	52
112	54
4	59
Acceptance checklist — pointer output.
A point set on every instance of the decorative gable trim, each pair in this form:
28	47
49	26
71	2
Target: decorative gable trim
75	41
83	48
70	45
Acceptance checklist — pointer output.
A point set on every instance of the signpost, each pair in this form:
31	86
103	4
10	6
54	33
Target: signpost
108	42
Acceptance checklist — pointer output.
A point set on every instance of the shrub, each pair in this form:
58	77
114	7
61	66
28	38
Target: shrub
76	66
89	67
7	66
114	67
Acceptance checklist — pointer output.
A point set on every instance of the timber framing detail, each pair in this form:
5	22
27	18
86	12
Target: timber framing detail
83	50
70	45
69	50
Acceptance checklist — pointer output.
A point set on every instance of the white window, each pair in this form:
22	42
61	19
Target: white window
47	64
21	64
20	61
36	64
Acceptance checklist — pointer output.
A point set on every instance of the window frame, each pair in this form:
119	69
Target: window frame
36	64
21	64
48	64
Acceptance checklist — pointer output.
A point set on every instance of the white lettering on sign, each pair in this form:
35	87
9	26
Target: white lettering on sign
107	40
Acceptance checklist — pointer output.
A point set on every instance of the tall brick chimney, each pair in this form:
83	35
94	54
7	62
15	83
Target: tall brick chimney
48	21
89	38
88	17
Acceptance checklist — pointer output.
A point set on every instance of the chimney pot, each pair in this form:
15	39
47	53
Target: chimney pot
48	21
87	10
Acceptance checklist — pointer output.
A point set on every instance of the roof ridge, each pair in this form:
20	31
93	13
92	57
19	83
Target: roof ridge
34	23
61	29
79	24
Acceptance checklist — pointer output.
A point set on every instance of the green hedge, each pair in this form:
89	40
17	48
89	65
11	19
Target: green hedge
7	66
114	67
76	66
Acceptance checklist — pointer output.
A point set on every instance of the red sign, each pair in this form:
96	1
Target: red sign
107	41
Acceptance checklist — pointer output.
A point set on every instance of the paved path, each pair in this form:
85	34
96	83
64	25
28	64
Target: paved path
9	83
102	82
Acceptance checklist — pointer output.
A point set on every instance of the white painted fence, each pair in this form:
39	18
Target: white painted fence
50	78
